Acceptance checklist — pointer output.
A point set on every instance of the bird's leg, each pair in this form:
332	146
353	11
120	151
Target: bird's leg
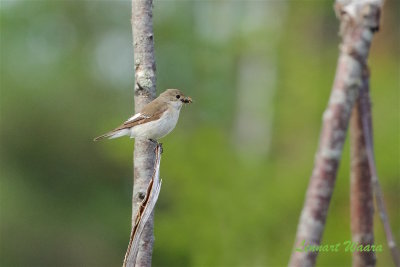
153	141
157	144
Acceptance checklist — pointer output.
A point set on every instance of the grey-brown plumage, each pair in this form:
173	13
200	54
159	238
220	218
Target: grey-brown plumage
157	118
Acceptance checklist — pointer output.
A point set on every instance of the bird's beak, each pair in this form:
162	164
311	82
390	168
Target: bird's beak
186	99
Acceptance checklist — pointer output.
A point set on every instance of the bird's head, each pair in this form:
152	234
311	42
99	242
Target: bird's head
175	96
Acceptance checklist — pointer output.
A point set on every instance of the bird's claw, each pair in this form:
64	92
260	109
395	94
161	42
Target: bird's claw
157	144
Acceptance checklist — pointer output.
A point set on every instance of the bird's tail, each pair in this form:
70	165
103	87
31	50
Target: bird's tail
102	136
113	134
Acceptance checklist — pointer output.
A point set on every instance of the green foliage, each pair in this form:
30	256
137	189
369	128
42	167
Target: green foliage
66	76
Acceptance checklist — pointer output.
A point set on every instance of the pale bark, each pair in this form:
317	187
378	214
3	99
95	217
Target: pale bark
361	194
359	19
145	91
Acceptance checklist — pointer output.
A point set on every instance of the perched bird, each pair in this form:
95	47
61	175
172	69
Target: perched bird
157	119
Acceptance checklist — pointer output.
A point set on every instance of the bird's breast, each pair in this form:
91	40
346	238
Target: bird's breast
157	128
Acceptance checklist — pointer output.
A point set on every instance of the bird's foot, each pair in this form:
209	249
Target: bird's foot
154	141
157	144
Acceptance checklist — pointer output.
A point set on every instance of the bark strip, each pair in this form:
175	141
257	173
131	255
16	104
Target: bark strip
359	19
144	211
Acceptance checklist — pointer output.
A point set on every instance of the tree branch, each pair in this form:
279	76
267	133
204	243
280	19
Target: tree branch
361	195
359	19
366	116
145	91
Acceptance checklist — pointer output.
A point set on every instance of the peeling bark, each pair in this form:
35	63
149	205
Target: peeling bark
145	91
144	212
359	19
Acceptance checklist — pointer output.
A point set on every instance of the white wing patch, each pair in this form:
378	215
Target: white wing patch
134	117
137	116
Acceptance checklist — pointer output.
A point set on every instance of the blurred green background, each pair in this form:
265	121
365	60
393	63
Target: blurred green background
235	169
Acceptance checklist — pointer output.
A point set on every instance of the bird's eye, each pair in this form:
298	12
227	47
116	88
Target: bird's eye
178	96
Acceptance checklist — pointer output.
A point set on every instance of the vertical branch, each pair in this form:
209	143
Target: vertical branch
145	91
366	119
359	19
361	195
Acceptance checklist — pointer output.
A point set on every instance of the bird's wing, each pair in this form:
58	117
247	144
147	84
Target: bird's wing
150	112
142	117
137	117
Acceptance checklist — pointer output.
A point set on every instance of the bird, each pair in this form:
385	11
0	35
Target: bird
157	118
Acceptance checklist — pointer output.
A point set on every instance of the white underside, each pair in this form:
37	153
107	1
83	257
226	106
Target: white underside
154	129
